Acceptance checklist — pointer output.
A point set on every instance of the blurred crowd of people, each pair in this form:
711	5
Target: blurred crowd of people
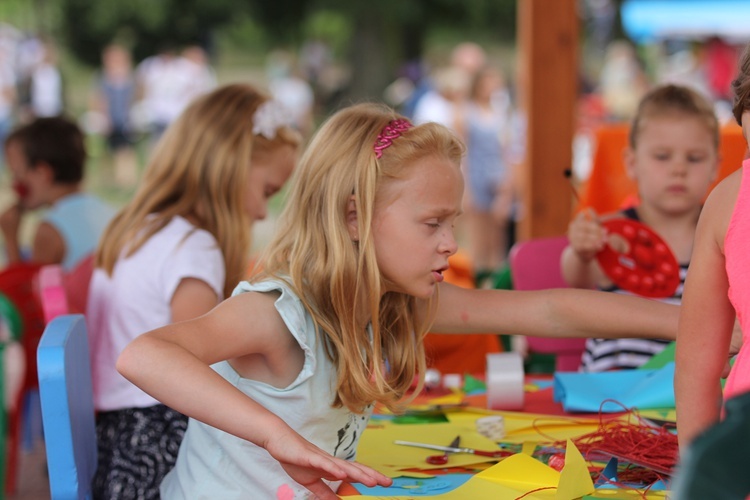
471	94
126	101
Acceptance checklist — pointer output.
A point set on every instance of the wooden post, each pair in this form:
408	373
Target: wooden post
548	85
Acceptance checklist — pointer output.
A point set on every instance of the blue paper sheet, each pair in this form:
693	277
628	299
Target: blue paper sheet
416	487
642	389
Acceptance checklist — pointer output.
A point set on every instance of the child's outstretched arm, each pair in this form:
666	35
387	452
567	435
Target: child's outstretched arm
553	313
172	364
706	319
586	238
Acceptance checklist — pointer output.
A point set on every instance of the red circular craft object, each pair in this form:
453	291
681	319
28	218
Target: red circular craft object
648	268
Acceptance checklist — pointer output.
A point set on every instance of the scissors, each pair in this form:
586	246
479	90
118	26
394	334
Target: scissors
443	459
451	449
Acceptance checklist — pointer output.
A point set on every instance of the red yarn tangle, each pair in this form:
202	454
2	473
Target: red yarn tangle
651	450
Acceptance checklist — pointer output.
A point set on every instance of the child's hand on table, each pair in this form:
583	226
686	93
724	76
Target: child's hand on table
309	465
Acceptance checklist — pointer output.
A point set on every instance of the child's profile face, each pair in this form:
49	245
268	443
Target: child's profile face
268	174
674	163
413	225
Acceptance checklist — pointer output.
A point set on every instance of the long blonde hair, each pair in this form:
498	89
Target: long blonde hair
336	277
199	170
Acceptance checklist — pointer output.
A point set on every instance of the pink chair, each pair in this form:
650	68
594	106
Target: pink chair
535	265
52	292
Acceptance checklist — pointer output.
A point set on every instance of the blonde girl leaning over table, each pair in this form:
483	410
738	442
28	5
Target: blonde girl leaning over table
672	155
716	291
173	253
280	379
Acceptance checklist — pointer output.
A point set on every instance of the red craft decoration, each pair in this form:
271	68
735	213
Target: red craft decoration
648	268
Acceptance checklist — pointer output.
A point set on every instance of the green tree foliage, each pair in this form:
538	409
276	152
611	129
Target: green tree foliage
389	32
145	25
282	19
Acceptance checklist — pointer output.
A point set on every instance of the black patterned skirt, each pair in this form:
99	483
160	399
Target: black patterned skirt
136	448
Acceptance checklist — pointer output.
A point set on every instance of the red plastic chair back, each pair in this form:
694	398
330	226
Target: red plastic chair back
18	284
76	284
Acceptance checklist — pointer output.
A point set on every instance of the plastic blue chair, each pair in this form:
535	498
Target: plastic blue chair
67	407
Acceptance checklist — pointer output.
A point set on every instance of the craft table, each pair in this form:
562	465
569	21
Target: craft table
471	477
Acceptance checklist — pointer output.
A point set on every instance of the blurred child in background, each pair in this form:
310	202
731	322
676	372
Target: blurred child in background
47	160
673	155
171	254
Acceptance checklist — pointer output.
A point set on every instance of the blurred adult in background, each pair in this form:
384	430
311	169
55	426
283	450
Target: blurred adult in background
438	88
440	104
7	94
167	83
112	100
45	85
287	85
484	123
315	58
205	76
468	56
622	81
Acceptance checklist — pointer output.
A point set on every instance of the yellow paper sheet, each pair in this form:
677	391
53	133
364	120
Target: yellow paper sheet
377	448
518	475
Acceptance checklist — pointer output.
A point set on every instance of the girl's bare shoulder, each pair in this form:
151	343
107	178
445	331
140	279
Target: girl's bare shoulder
722	198
719	206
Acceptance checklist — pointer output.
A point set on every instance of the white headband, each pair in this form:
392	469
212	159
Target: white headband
269	117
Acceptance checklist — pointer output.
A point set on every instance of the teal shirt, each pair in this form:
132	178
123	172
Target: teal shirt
80	219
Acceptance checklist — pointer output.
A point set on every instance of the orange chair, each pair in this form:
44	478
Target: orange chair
609	188
535	265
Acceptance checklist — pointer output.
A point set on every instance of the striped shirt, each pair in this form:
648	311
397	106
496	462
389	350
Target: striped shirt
625	353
